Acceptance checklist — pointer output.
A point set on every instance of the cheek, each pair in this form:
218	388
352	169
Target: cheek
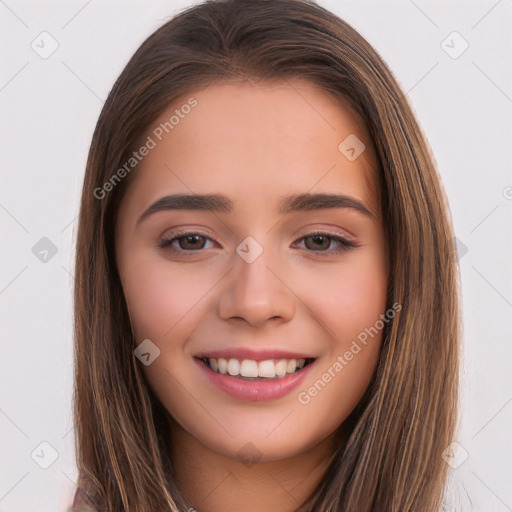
349	298
349	307
160	299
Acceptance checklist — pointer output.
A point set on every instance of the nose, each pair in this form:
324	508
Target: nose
257	292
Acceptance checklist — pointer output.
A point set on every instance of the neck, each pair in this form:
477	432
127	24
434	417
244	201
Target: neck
212	482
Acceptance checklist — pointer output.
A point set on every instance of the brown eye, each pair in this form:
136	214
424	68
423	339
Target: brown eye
186	242
321	243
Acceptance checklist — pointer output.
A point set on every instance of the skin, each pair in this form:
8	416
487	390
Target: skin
254	143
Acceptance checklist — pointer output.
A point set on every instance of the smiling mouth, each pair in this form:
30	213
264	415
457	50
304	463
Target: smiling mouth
250	369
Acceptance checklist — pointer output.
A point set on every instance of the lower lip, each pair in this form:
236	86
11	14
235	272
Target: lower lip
254	390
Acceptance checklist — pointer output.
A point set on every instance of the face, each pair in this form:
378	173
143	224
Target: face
258	304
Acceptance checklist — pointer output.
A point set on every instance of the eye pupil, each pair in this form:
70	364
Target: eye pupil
190	238
318	241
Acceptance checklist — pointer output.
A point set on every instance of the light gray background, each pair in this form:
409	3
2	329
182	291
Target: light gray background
49	108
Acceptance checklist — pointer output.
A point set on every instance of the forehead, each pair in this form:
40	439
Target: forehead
247	140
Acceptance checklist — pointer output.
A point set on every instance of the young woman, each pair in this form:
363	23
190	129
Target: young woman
266	300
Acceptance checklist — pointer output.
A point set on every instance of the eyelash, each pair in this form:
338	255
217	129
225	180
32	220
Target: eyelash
345	245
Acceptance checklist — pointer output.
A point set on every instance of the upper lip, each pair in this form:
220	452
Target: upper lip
251	353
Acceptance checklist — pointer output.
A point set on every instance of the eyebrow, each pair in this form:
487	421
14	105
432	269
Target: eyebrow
222	204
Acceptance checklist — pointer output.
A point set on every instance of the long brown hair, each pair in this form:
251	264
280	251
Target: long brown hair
391	460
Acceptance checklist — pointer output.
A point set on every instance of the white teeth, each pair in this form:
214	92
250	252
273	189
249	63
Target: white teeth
222	363
234	367
266	369
291	365
249	368
281	368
